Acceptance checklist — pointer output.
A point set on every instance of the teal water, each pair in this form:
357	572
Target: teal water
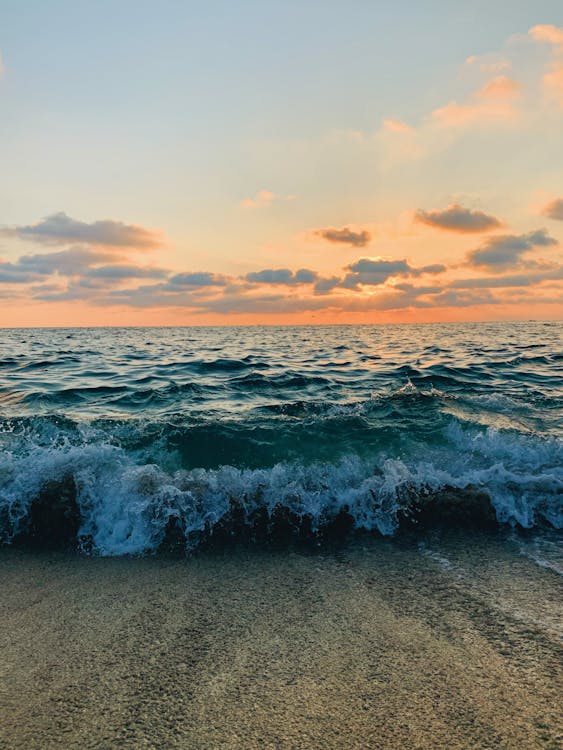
151	425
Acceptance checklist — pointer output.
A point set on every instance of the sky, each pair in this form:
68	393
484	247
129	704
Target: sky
188	163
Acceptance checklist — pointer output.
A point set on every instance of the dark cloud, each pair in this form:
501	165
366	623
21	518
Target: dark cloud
47	288
263	303
379	265
197	279
541	238
456	218
305	276
60	229
79	289
102	276
324	286
554	210
81	262
70	262
499	254
373	272
451	298
518	280
345	236
435	268
66	262
13	273
420	290
282	276
151	295
388	300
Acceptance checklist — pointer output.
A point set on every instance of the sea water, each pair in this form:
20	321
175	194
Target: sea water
154	429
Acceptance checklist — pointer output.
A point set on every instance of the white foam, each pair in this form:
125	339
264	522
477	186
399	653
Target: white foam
544	553
126	500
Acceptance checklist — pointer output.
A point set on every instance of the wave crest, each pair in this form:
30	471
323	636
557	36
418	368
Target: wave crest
122	501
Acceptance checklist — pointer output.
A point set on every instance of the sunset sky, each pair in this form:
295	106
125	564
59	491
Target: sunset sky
280	162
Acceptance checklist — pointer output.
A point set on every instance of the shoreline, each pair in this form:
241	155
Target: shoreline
452	642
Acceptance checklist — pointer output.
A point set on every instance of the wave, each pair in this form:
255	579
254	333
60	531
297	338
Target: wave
122	488
124	440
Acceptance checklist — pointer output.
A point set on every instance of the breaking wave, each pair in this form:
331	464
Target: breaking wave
61	481
126	441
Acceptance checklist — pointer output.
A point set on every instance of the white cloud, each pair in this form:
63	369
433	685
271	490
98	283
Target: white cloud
262	199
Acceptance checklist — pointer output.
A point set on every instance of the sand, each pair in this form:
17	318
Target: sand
450	643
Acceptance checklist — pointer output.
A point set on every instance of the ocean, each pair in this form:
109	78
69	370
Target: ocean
123	441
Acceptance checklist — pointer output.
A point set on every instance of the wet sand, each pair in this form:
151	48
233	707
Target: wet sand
451	643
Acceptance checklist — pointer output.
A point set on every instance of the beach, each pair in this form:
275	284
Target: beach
447	640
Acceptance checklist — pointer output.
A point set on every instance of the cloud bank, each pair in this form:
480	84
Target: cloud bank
101	272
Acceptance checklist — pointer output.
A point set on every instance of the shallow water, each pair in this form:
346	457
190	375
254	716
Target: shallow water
158	425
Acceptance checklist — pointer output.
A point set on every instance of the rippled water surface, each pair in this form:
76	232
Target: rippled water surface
154	424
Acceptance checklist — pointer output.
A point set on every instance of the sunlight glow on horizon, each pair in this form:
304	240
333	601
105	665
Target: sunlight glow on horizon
430	214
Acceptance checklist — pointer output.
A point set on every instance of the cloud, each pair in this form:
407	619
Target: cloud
78	289
456	218
554	273
498	254
554	209
262	199
12	273
373	271
376	271
104	276
547	33
198	279
60	229
250	297
499	88
263	304
395	141
450	298
282	276
324	286
500	101
490	63
122	272
396	126
434	268
69	262
305	276
491	103
553	78
85	262
553	83
398	297
345	236
379	265
495	103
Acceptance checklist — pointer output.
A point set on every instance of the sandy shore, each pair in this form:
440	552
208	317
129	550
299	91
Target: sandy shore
454	643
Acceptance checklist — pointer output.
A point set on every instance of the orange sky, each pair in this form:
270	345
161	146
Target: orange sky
432	193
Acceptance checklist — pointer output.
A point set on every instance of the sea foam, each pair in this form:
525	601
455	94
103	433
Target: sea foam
126	503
